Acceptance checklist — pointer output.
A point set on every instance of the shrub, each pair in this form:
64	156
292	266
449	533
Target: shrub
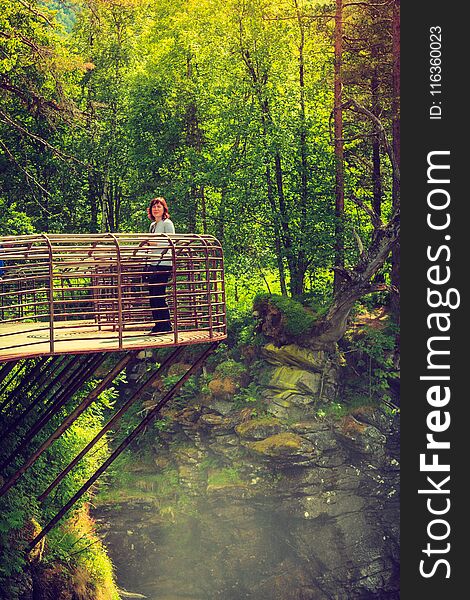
230	368
371	355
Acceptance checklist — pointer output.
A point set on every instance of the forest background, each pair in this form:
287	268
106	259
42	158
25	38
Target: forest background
262	122
270	124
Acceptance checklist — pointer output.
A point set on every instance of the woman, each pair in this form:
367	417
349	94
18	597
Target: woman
159	267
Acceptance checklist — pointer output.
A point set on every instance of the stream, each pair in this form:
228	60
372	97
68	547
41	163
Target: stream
258	547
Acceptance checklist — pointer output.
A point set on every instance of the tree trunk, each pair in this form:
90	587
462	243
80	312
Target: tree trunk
296	279
395	275
300	255
280	221
376	167
277	232
356	282
339	146
203	209
117	212
93	185
191	203
92	197
194	140
110	209
376	173
221	216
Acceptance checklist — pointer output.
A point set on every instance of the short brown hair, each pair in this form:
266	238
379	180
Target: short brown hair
159	200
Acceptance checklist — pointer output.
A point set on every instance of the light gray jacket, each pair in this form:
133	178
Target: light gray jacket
164	226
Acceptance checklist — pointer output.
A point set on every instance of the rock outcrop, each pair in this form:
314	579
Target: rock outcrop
293	504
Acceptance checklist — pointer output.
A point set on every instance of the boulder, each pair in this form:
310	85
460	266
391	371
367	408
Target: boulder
295	356
217	424
258	429
223	388
282	445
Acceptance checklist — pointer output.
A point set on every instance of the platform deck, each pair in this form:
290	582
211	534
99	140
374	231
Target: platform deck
27	340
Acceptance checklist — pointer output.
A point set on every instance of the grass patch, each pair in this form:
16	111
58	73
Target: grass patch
223	477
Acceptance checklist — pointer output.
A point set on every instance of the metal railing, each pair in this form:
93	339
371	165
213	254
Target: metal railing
81	293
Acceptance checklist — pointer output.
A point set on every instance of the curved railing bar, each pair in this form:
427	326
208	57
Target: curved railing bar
54	287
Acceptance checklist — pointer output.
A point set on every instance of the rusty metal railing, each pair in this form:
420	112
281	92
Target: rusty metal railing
86	293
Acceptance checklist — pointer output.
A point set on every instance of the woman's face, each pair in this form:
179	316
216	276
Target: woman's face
157	211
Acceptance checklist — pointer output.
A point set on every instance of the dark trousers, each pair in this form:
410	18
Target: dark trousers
158	277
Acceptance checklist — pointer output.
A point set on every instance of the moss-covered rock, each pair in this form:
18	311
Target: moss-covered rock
291	354
187	454
258	429
223	388
301	377
178	369
292	392
298	381
282	445
307	427
363	438
219	478
217	423
282	317
236	489
226	446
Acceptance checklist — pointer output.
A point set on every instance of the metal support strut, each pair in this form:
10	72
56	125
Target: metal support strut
70	419
74	380
110	424
151	415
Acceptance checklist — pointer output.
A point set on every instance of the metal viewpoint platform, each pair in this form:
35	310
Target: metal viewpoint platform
85	293
68	303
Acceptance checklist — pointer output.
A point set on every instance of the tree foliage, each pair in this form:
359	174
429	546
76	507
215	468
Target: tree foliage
225	108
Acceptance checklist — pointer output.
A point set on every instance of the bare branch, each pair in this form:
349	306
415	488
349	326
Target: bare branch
374	217
27	173
343	272
358	108
35	12
6	119
368	4
294	17
27	95
360	245
379	287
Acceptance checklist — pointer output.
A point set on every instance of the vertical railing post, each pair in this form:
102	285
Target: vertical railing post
50	293
208	286
222	266
173	289
192	288
119	288
2	300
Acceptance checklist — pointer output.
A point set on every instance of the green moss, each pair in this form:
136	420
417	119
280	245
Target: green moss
261	427
334	410
297	319
226	476
140	486
87	568
276	445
